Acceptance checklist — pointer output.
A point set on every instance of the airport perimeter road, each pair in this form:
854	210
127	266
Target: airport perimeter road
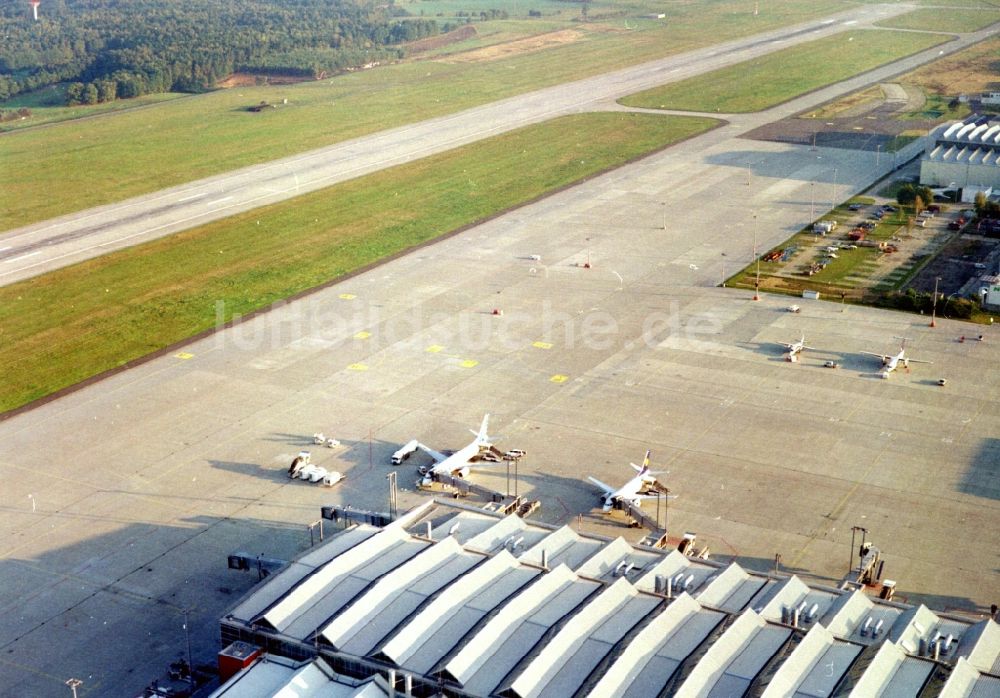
48	245
121	501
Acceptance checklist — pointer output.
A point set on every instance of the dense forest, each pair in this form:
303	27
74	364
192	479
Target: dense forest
110	49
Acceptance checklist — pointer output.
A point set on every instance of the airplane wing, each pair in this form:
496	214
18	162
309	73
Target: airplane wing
437	456
786	345
918	361
607	488
871	353
810	348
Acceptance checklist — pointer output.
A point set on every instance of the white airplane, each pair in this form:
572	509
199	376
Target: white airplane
631	490
891	362
795	348
458	463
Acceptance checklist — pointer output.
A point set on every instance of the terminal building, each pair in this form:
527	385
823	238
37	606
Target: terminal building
452	600
964	155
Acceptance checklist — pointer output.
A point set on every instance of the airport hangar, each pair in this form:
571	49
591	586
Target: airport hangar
460	602
181	461
964	155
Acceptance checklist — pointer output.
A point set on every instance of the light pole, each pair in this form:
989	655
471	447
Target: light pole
812	201
73	683
833	203
934	302
878	152
187	635
756	284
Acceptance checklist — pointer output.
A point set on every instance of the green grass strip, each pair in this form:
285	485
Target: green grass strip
74	323
939	20
764	82
76	165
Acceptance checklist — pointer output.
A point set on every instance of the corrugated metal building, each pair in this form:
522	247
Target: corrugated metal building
458	600
965	155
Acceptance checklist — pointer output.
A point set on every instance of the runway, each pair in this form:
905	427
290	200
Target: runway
41	247
122	500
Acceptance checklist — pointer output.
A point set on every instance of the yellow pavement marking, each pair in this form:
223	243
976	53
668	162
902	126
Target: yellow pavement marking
358	367
347	296
435	348
363	335
559	378
469	363
542	345
184	355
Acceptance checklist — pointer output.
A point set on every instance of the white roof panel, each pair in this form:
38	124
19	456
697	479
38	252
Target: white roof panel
438	627
892	674
463	526
686	573
489	656
279	584
568	659
859	619
359	628
563	546
733	660
649	661
981	646
815	666
352	578
732	590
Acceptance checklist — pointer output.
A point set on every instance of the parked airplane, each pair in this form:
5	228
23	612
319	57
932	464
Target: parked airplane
458	463
891	362
795	348
631	490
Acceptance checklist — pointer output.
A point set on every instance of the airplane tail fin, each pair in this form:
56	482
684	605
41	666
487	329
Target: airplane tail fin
645	464
482	436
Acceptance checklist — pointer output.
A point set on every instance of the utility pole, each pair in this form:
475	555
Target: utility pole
855	529
391	477
187	635
756	285
934	302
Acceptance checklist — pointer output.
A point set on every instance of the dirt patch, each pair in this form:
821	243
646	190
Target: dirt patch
432	43
514	48
251	80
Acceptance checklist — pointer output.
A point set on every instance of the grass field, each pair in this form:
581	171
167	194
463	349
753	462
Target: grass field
933	19
48	106
114	157
780	76
63	327
959	3
969	71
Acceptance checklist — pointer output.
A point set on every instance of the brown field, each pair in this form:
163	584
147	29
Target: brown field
432	43
251	80
515	48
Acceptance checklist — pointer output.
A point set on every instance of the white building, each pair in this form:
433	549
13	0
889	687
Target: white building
963	155
454	601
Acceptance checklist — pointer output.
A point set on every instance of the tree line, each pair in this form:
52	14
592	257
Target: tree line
107	49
